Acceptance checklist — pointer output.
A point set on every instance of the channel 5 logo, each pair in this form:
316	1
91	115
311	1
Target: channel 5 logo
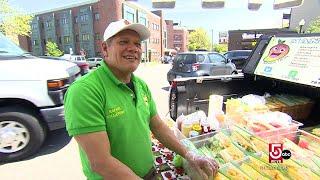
277	154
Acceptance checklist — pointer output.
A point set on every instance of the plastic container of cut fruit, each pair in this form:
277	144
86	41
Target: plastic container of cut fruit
279	131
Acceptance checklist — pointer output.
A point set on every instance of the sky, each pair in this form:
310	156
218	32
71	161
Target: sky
235	15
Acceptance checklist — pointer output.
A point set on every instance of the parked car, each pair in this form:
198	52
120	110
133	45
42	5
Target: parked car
74	58
238	57
94	62
166	59
31	99
83	65
200	63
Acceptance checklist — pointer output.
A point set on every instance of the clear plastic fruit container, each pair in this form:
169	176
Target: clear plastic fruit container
289	131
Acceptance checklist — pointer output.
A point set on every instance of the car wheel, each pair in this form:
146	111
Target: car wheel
21	134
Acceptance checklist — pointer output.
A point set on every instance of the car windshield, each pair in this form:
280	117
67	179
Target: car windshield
186	58
8	48
237	54
190	58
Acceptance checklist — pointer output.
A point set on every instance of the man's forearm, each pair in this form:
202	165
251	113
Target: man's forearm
112	168
165	135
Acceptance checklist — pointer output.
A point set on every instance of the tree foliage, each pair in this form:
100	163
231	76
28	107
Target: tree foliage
314	26
199	39
13	22
220	48
53	49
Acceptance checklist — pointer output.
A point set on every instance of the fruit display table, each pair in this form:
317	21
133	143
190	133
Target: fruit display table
241	154
164	163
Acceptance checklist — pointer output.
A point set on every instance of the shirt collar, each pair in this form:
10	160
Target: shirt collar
113	78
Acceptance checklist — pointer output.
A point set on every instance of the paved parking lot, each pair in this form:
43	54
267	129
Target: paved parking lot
58	159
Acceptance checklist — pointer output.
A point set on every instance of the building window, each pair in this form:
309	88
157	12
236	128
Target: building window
129	13
66	39
84	17
48	24
59	40
76	19
130	17
64	21
77	37
177	38
34	26
143	21
85	37
96	16
35	43
57	22
97	36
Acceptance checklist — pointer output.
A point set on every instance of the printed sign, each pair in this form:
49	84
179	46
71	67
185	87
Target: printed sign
294	59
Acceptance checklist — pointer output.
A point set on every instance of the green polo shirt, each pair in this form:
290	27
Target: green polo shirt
100	102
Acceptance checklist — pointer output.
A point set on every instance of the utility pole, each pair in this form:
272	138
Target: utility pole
211	39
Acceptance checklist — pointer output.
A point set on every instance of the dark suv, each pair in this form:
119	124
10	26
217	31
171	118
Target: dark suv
238	57
194	64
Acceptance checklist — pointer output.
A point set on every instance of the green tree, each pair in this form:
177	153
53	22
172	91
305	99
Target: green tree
220	48
53	49
13	22
199	39
314	26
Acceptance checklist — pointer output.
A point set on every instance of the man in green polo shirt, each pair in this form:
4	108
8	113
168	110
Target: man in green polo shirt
110	112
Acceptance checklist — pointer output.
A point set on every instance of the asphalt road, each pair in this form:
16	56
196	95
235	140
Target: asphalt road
58	159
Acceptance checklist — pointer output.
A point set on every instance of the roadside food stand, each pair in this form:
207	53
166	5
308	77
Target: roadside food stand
258	136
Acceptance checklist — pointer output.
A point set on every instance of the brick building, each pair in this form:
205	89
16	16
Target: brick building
80	27
180	39
169	24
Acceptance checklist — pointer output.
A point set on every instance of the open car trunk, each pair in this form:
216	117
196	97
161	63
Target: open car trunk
190	94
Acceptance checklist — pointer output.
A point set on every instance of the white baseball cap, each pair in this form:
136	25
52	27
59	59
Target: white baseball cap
117	26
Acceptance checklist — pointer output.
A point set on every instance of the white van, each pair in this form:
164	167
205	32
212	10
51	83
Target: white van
31	99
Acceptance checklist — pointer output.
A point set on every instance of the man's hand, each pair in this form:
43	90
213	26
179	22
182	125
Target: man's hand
205	167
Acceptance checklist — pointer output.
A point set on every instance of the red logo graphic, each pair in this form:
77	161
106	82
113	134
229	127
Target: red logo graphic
275	153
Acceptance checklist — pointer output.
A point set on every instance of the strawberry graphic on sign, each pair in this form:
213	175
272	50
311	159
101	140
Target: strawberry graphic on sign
277	52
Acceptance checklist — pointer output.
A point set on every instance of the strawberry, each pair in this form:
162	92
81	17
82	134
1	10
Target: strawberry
303	144
169	157
159	160
179	171
168	175
161	145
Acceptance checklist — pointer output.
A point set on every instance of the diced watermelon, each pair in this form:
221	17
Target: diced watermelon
303	144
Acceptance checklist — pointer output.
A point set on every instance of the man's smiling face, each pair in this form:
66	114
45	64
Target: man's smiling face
124	51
